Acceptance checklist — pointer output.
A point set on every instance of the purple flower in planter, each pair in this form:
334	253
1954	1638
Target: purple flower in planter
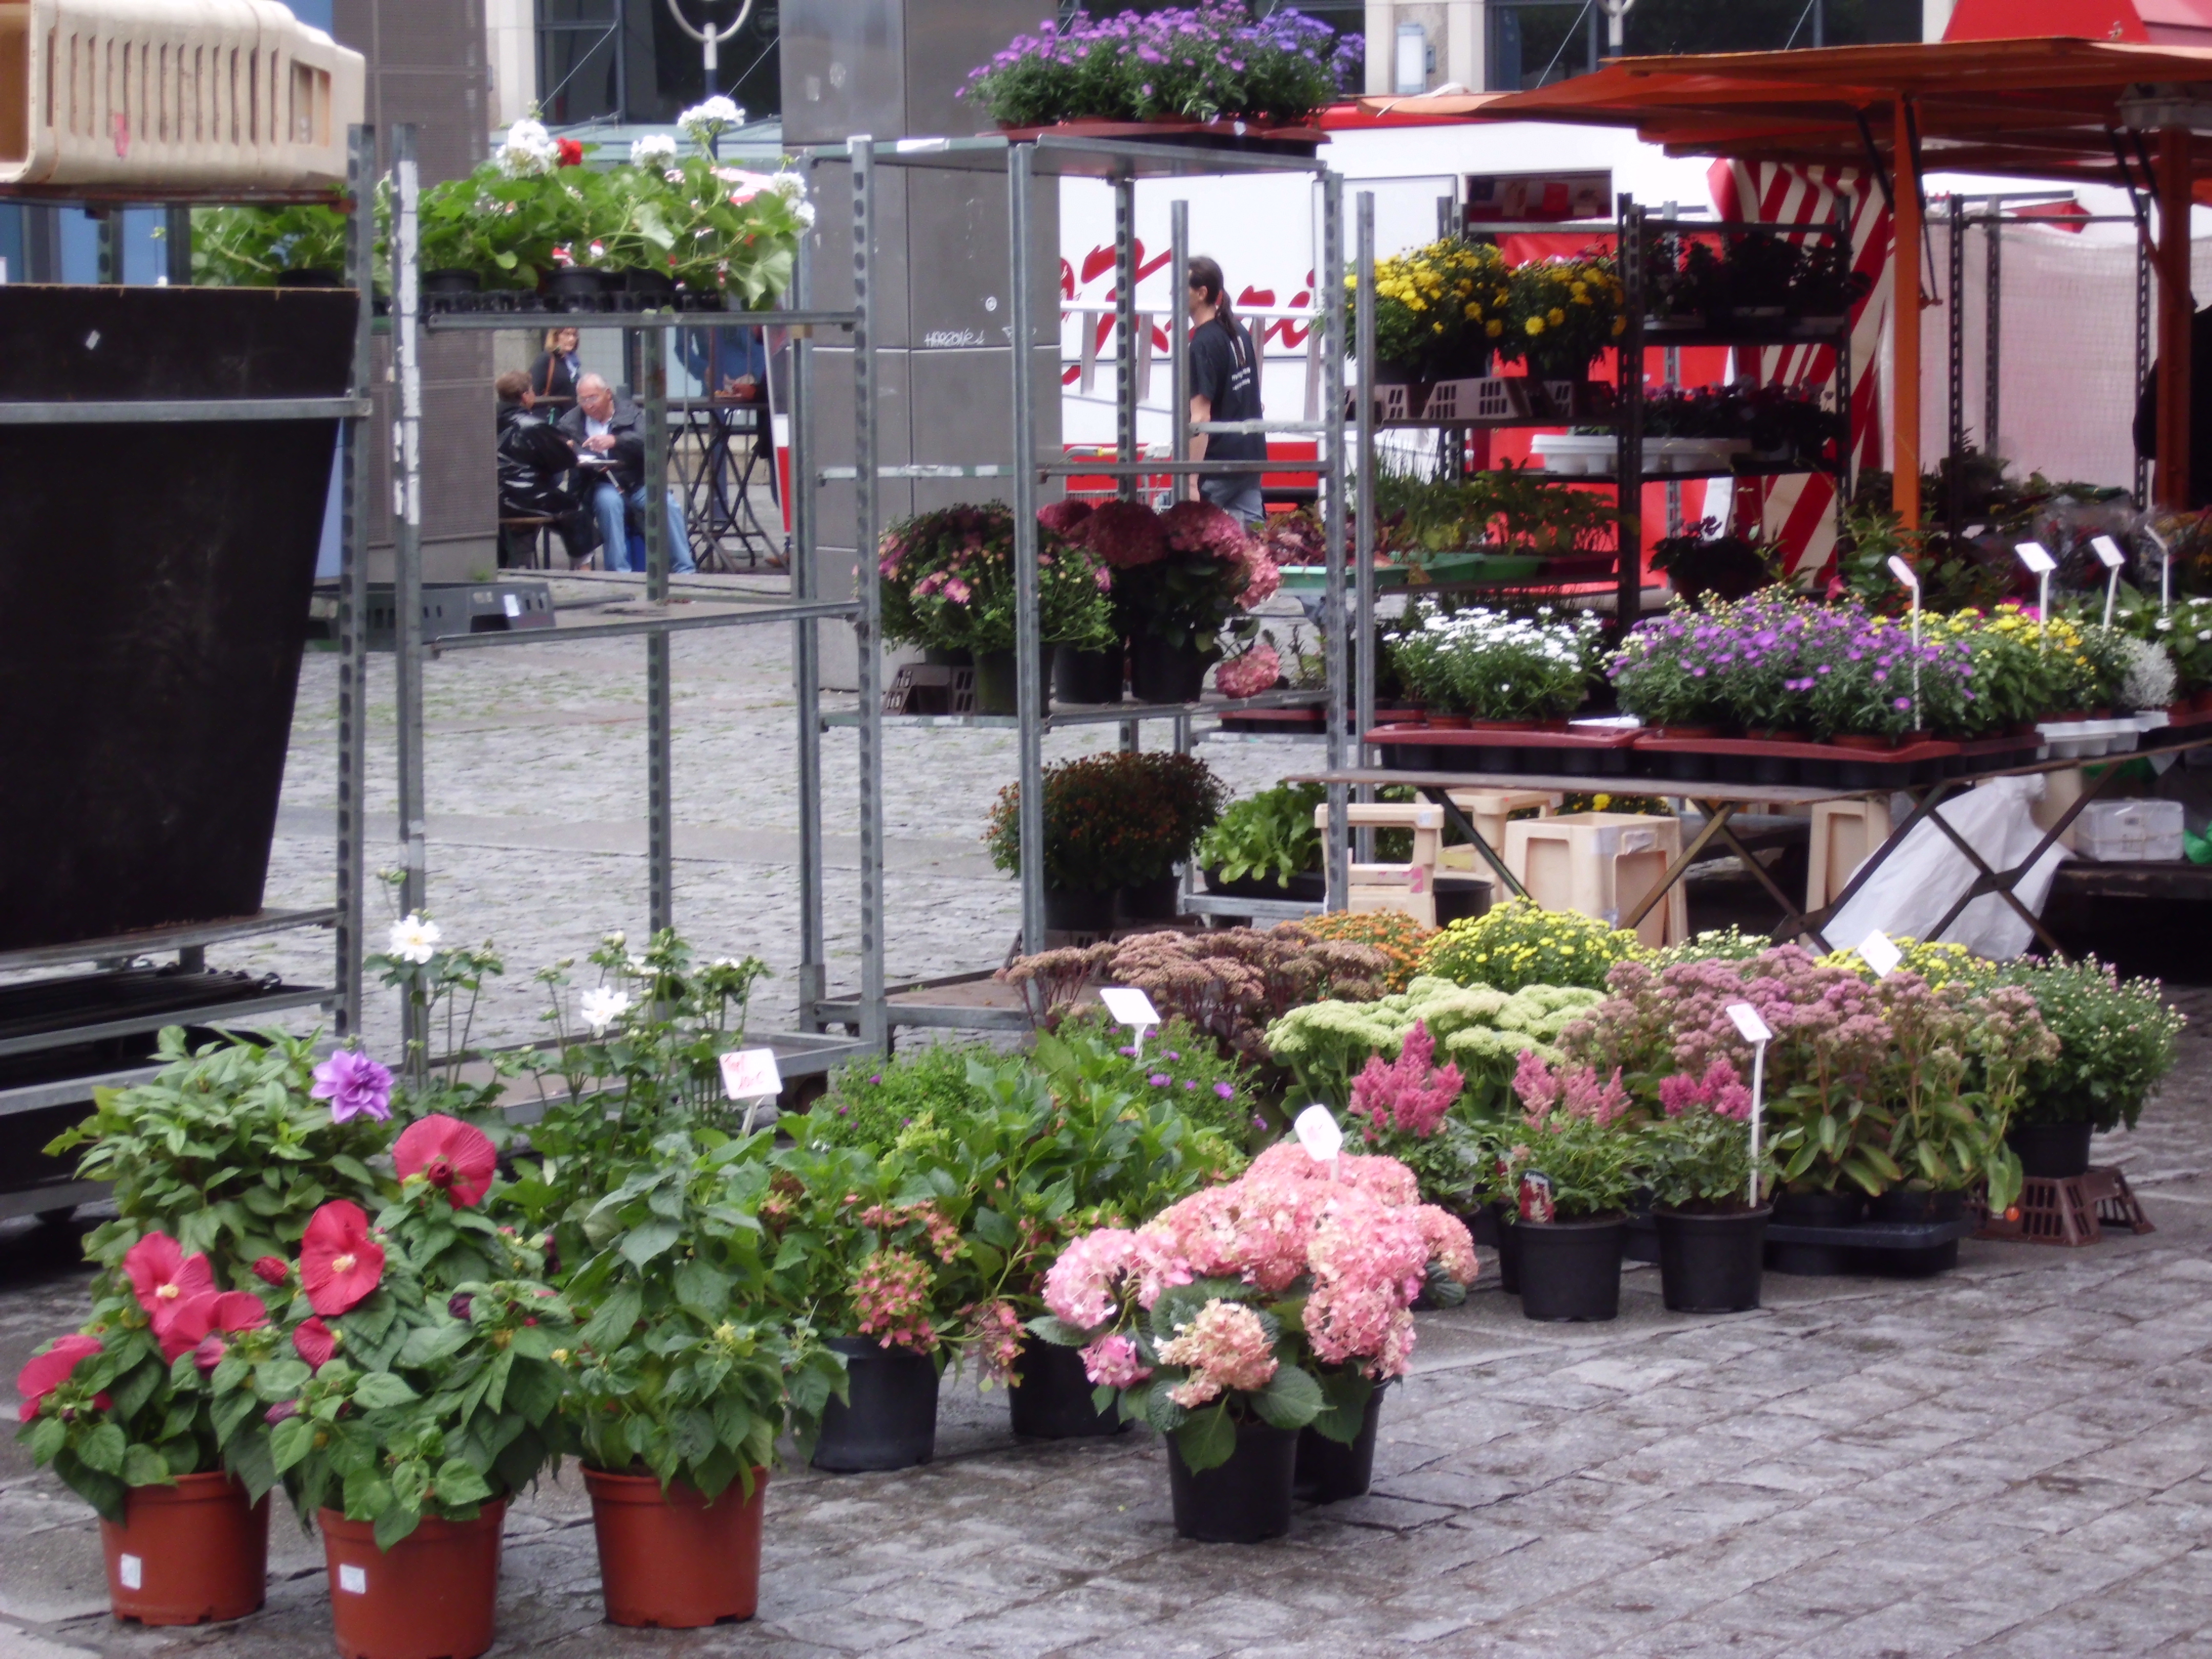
355	1084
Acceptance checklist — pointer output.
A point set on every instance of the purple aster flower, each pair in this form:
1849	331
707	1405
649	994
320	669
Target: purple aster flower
355	1084
1159	1080
1224	1092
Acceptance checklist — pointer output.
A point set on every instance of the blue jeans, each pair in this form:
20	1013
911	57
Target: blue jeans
607	505
1236	494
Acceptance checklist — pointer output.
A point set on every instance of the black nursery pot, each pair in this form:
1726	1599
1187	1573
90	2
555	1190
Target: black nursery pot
1149	901
1571	1270
1161	672
1508	1230
1051	1396
1329	1471
576	288
1917	1205
1710	1263
449	281
1087	676
1244	1501
1079	909
998	683
890	1421
2052	1151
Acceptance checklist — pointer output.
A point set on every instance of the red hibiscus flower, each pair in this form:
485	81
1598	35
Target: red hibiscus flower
195	1322
450	1155
163	1275
572	153
339	1263
315	1342
272	1270
51	1369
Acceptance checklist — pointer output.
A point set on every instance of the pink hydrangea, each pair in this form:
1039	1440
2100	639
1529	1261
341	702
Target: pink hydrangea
1225	1349
1112	1360
1200	527
1080	1288
1450	1245
1369	1259
1247	675
891	1301
1125	534
1063	516
1262	576
995	1330
1408	1095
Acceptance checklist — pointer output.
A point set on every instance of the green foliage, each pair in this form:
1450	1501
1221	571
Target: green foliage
1269	836
1701	1161
1498	510
1519	944
252	246
871	1102
1112	820
1594	1167
1177	1065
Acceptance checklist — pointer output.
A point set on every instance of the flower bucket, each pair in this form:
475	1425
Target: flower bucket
431	1595
1244	1501
1051	1397
672	1559
187	1554
2052	1151
890	1419
1710	1263
1161	672
1571	1270
1089	677
1329	1471
997	687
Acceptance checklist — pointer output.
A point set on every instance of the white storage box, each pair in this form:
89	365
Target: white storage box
1572	454
1602	864
2130	831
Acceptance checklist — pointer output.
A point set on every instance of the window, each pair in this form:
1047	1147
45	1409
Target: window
627	61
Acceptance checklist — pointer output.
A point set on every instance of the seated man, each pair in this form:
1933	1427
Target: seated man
608	438
533	459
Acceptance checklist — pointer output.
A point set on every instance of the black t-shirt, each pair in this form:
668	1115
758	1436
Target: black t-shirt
1221	371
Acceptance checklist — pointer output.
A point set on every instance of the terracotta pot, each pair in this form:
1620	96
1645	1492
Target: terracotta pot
1672	732
672	1559
189	1553
431	1595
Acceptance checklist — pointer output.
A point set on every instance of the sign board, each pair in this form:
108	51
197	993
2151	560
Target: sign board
1539	195
1880	954
1318	1134
2032	556
2108	551
1130	1007
1904	573
751	1074
1753	1028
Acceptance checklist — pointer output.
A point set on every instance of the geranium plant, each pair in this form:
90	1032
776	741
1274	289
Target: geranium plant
1281	1298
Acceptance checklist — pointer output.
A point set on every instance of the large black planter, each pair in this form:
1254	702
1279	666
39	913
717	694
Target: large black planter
1504	1222
1571	1270
153	591
2052	1151
1831	1209
576	288
1051	1398
1329	1471
1710	1263
1160	672
1306	884
890	1419
1079	909
1244	1501
1149	901
1088	676
1917	1205
998	686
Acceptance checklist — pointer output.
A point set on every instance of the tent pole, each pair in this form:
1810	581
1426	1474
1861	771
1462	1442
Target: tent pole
1905	299
2172	489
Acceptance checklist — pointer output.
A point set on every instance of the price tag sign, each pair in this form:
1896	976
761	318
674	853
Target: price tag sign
1130	1007
2031	555
1880	954
131	1570
1317	1133
1972	531
751	1074
1904	573
353	1580
1748	1022
2108	551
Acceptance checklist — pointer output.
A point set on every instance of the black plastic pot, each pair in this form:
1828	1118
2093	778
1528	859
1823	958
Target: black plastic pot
1051	1397
1506	1223
1149	901
154	593
1329	1471
1244	1501
1160	672
1079	910
576	288
1836	1209
1306	884
1088	676
1571	1270
998	686
2052	1151
311	276
890	1421
940	656
657	285
1710	1263
450	281
1916	1203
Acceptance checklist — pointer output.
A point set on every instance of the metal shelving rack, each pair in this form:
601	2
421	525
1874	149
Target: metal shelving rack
1121	164
189	943
800	1054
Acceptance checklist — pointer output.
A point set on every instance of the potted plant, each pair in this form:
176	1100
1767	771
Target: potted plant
436	1390
1499	670
1180	578
260	247
1697	1160
1250	1310
1439	312
1520	944
1568	1177
1704	561
1266	846
216	1164
1116	826
1560	313
948	585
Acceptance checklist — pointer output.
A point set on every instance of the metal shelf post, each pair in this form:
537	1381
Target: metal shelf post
1364	495
407	542
1028	625
869	625
1339	872
350	934
659	788
806	647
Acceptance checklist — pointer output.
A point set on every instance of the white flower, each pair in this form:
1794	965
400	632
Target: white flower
528	150
804	212
414	938
637	966
614	941
2151	680
654	150
706	121
603	1007
789	185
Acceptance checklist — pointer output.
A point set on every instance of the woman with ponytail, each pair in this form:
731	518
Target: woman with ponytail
1224	386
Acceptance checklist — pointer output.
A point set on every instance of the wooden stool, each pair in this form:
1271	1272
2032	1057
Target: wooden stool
1602	865
1489	811
1845	834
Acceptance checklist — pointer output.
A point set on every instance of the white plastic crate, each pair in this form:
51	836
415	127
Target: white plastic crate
2130	831
1489	398
1573	454
173	94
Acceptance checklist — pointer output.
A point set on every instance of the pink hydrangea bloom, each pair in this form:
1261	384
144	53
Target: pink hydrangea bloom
1450	1245
1200	527
1247	675
891	1301
1225	1349
1063	516
1113	1361
1080	1288
1262	577
1408	1095
1125	534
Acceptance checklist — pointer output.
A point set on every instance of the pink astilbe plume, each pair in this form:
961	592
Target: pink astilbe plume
1408	1095
1720	1090
1571	1093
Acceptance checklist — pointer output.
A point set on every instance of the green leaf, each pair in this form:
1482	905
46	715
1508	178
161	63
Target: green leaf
48	1439
144	1467
290	1441
648	1239
457	1485
394	1521
1057	1331
1208	1440
381	1388
103	1449
1345	1413
432	1343
703	1287
1291	1399
995	1230
611	1326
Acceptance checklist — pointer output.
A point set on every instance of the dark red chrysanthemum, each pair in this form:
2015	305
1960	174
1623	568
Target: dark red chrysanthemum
453	1156
339	1263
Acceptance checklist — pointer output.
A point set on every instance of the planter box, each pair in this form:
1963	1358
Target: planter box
1817	765
1251	136
1890	1249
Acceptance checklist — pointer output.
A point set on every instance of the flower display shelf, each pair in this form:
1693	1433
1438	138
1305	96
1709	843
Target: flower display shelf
1753	760
2072	1212
1291	722
1888	1249
1599	751
2183	722
1989	754
1257	138
528	302
1438	570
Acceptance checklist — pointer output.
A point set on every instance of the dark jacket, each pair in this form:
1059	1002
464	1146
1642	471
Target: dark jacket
2200	411
551	381
533	459
628	428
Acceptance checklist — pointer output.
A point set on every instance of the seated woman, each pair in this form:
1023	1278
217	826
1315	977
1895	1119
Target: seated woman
534	461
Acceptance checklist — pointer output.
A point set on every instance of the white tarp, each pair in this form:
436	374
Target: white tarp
1924	878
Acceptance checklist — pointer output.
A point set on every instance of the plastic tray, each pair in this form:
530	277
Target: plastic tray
1817	765
1605	752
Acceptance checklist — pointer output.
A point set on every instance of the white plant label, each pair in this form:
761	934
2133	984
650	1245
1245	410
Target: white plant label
353	1580
2108	551
1748	1022
131	1570
2037	562
513	603
1318	1134
1904	573
751	1074
1880	953
1130	1007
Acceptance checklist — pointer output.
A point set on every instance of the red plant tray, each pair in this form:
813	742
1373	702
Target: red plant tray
1753	760
1603	751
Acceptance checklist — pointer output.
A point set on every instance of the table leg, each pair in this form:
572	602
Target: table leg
1459	821
1789	910
1926	798
1989	882
1720	812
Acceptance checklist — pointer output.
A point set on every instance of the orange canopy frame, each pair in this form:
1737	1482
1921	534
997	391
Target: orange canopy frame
2068	111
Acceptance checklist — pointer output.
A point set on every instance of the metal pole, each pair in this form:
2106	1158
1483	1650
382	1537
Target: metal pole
868	626
1021	280
407	539
1628	581
806	644
1993	330
1672	359
1179	335
1338	866
354	439
2142	338
108	227
1846	450
660	804
1363	340
1125	335
1904	350
1955	345
177	247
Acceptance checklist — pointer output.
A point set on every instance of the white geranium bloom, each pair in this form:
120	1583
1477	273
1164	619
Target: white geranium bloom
789	185
704	122
603	1007
414	938
528	150
654	150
